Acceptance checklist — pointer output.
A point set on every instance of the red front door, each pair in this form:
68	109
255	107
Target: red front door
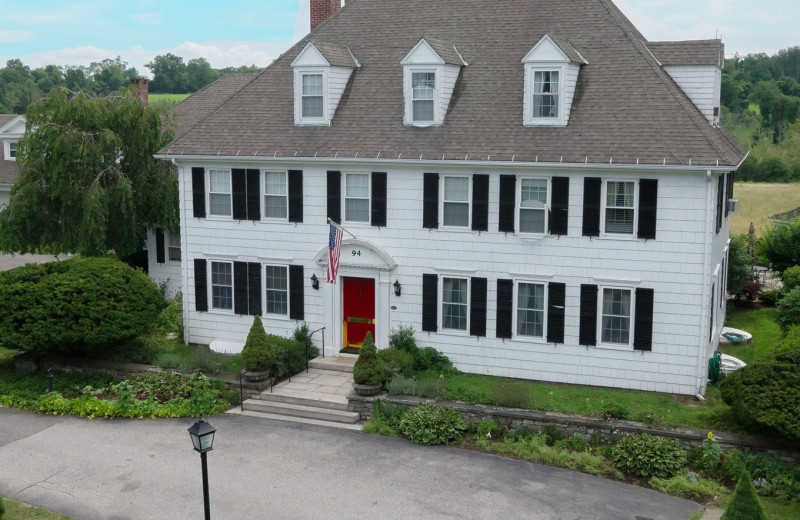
359	310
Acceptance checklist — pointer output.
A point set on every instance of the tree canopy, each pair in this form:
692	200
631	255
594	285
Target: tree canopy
89	182
172	76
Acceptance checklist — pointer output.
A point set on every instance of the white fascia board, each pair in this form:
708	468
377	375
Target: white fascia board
14	128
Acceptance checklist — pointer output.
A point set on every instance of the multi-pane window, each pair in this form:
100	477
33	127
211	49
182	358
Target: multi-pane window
277	290
423	88
454	303
275	195
530	309
619	207
219	193
312	96
174	247
545	93
455	203
616	316
356	197
533	205
222	285
12	150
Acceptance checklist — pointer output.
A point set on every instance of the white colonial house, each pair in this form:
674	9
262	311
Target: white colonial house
12	127
533	186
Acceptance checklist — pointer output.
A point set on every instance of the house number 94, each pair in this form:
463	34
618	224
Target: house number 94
355	252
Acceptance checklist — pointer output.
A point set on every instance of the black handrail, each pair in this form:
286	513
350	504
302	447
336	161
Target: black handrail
308	342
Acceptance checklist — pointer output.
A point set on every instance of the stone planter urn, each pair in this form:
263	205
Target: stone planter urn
367	390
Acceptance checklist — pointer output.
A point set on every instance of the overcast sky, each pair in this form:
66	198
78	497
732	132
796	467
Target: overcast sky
254	32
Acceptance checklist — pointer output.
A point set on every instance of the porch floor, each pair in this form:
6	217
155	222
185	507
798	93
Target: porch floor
319	384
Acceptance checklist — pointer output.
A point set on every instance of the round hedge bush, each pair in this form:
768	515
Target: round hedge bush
76	305
787	309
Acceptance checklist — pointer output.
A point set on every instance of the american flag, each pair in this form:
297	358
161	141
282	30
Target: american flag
334	250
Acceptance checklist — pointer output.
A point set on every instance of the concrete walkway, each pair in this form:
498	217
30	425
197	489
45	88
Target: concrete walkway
317	384
146	469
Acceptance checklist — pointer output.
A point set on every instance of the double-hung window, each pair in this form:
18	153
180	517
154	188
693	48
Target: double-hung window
620	207
276	202
222	285
219	193
174	247
545	93
615	322
533	205
455	201
530	316
423	94
311	97
356	197
455	303
277	282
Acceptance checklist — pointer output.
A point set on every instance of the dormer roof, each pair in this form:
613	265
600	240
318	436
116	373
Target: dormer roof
12	125
552	48
326	54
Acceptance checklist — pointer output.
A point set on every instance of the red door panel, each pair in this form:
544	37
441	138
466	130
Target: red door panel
359	309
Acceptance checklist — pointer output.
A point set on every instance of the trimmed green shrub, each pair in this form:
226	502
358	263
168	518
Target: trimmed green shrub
258	352
647	455
290	356
764	395
432	424
744	504
428	358
791	278
302	336
791	341
788	309
771	297
368	369
397	362
76	306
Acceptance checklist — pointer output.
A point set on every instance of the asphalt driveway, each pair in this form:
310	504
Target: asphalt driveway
146	469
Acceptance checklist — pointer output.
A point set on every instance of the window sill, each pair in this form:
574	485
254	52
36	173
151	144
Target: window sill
555	122
532	236
530	339
453	229
321	122
454	332
620	236
615	346
281	317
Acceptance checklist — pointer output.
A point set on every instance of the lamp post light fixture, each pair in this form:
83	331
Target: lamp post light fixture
202	435
397	287
314	282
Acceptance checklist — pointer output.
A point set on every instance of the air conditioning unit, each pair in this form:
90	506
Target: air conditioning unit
733	205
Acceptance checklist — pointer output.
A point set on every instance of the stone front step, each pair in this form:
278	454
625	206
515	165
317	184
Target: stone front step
305	398
299	420
296	410
336	363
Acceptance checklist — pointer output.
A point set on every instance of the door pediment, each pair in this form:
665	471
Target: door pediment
359	253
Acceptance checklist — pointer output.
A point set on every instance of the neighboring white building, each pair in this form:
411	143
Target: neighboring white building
538	205
12	127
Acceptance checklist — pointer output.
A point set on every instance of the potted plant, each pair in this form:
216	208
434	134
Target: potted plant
258	353
368	372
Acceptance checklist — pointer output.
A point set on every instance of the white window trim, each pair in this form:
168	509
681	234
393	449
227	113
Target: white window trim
442	178
518	206
211	307
263	184
369	198
631	317
298	97
214	216
264	312
167	239
409	95
515	309
440	303
528	117
7	149
635	208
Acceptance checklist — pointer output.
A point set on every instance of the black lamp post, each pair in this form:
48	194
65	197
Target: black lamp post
202	435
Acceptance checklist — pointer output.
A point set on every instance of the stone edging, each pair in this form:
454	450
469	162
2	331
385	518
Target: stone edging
585	427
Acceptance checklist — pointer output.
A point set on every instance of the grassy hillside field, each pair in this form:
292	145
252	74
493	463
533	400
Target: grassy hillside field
169	99
759	201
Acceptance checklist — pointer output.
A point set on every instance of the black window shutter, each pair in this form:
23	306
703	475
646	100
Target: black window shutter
335	196
556	300
430	301
648	205
508	194
720	196
295	195
199	192
253	194
254	288
559	201
378	199
296	293
430	202
200	285
477	307
239	188
480	203
643	322
240	286
505	307
587	333
591	207
728	191
159	246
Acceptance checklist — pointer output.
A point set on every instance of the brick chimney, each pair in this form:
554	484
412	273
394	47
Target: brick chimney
140	84
321	10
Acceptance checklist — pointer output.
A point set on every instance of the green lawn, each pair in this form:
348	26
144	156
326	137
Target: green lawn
168	99
761	324
19	511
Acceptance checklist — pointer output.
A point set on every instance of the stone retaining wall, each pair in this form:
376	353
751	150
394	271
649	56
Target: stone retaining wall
585	427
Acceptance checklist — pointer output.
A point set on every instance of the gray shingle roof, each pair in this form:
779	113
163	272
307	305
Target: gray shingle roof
447	51
692	52
200	104
567	48
337	55
627	109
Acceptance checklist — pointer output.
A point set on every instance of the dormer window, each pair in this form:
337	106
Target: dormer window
12	151
321	73
430	72
551	75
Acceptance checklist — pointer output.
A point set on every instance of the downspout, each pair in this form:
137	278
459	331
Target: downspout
701	352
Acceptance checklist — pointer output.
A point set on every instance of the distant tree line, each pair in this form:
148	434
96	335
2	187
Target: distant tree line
20	85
